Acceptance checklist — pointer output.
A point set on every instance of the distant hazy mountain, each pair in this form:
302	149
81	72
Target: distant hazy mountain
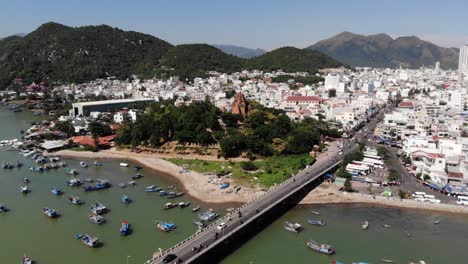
241	52
381	50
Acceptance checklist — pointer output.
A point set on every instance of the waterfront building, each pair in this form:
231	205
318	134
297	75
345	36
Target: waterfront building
85	108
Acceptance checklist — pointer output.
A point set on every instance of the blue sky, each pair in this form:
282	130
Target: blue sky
264	24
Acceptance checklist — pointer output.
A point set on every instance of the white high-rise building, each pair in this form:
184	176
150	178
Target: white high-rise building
437	68
332	81
463	59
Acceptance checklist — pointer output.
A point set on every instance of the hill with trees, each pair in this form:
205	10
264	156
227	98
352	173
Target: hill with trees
194	60
55	52
290	59
265	131
381	50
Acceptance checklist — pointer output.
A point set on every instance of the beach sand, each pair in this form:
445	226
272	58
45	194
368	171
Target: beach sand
197	185
194	183
328	193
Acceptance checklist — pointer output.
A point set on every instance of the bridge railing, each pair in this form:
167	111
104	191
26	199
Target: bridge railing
208	228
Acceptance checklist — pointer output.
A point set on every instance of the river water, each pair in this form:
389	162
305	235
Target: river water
442	243
25	229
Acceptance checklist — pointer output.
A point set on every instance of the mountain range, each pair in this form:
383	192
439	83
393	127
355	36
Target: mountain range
58	53
381	50
240	52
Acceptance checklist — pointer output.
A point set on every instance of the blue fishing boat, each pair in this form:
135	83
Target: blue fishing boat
224	186
56	191
50	212
102	184
36	169
163	193
124	228
166	227
125	199
97	163
153	188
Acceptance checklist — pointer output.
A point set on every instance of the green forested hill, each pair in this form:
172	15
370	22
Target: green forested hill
55	52
292	59
58	53
194	60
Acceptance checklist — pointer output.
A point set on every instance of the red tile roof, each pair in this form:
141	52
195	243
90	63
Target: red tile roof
89	141
406	104
295	98
455	175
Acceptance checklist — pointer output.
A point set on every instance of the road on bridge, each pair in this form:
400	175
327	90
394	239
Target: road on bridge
210	236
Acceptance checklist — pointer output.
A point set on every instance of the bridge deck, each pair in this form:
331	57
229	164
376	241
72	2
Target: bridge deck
250	211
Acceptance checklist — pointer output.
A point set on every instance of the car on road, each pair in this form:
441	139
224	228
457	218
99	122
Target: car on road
169	258
221	226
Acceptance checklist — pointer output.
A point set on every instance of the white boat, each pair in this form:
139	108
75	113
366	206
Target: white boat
89	241
24	189
123	164
315	213
96	219
75	200
321	248
292	227
26	260
365	225
387	226
99	208
83	164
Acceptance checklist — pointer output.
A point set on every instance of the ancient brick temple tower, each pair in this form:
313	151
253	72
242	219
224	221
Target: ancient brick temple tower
240	106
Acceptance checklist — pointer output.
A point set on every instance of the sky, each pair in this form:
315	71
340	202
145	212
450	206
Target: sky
266	24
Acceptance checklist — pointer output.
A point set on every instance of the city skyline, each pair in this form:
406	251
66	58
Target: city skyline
260	24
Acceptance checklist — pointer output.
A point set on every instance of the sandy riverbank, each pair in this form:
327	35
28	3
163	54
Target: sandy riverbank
194	183
197	186
328	193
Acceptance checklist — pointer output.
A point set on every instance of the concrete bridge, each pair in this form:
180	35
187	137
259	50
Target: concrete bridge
210	245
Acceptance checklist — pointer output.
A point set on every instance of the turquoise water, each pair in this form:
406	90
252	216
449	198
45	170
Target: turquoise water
25	229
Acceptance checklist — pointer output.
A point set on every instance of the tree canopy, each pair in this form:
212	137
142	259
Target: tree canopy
265	132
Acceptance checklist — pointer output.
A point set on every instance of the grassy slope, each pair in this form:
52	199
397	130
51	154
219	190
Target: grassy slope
281	168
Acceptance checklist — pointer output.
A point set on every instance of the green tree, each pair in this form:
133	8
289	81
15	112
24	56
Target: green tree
348	187
65	127
97	128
